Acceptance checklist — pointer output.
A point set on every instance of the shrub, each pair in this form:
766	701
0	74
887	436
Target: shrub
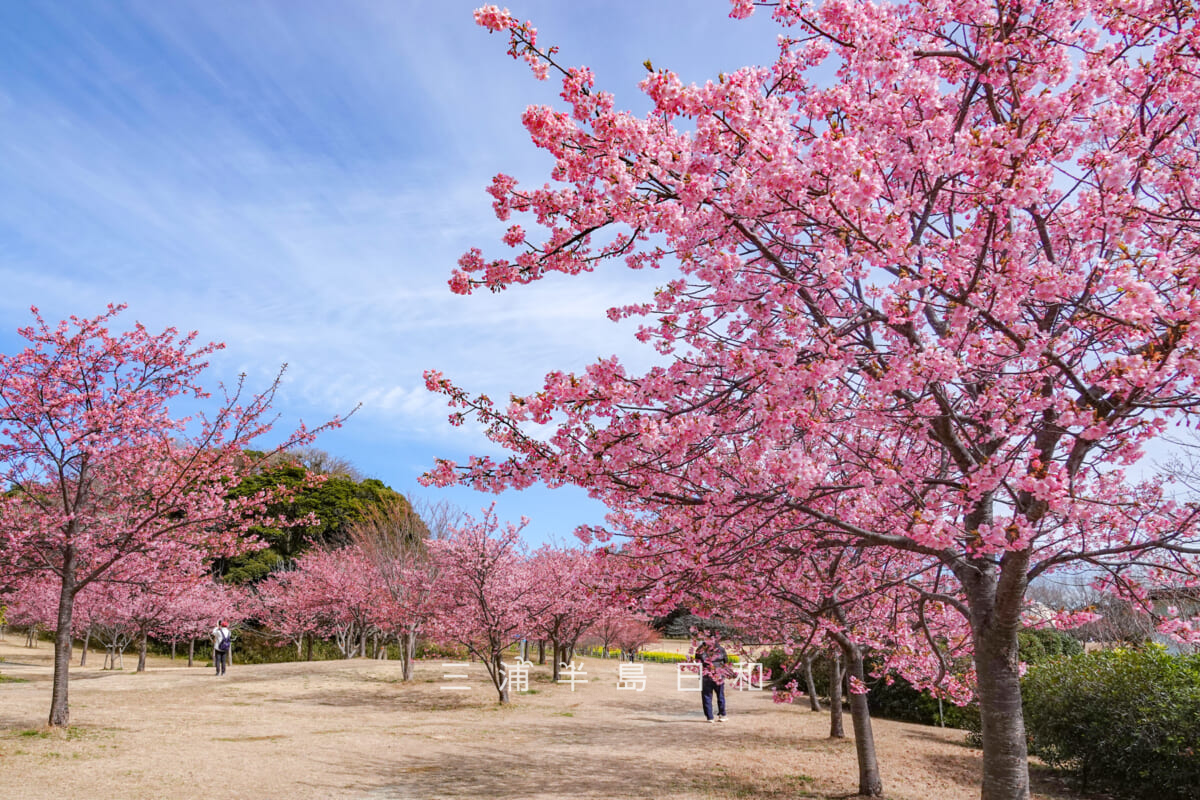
1039	644
1125	719
900	700
597	652
434	650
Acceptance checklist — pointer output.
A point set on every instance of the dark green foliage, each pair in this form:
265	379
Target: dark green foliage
336	503
1127	720
901	701
251	647
1039	644
778	666
680	622
774	664
429	649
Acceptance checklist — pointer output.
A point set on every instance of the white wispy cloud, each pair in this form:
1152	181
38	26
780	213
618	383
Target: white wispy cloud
297	179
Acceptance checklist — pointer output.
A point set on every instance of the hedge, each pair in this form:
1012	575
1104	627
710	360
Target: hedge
1127	720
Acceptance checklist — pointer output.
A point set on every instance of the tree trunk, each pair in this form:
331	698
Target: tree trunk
995	622
870	783
87	639
810	685
172	650
541	651
409	654
141	667
309	648
836	729
191	651
59	712
557	649
497	667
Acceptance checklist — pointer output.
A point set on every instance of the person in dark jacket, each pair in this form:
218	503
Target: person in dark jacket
714	667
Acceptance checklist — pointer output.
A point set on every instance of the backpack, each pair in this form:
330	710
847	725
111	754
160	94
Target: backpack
223	645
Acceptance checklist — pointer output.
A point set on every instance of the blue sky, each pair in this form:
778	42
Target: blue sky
297	179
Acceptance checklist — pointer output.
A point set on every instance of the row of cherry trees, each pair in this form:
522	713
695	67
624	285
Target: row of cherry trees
930	288
465	582
108	489
175	607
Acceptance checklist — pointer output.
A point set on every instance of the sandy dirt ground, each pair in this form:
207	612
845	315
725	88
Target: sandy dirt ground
352	729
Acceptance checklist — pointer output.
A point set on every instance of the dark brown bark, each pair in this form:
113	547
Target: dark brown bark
541	651
309	646
836	728
59	711
141	665
191	651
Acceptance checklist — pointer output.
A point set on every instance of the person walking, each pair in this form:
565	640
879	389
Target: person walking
221	637
714	664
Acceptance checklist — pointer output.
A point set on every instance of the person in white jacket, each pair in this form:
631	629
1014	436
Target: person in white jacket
221	637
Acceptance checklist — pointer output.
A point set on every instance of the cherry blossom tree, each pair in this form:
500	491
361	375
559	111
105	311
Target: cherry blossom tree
98	469
107	606
394	539
617	625
935	303
192	614
331	592
158	597
279	603
32	606
570	604
488	602
631	634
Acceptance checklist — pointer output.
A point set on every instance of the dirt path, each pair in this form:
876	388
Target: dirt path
351	729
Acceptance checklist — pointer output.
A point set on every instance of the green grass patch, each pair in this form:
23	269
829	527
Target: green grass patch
70	733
